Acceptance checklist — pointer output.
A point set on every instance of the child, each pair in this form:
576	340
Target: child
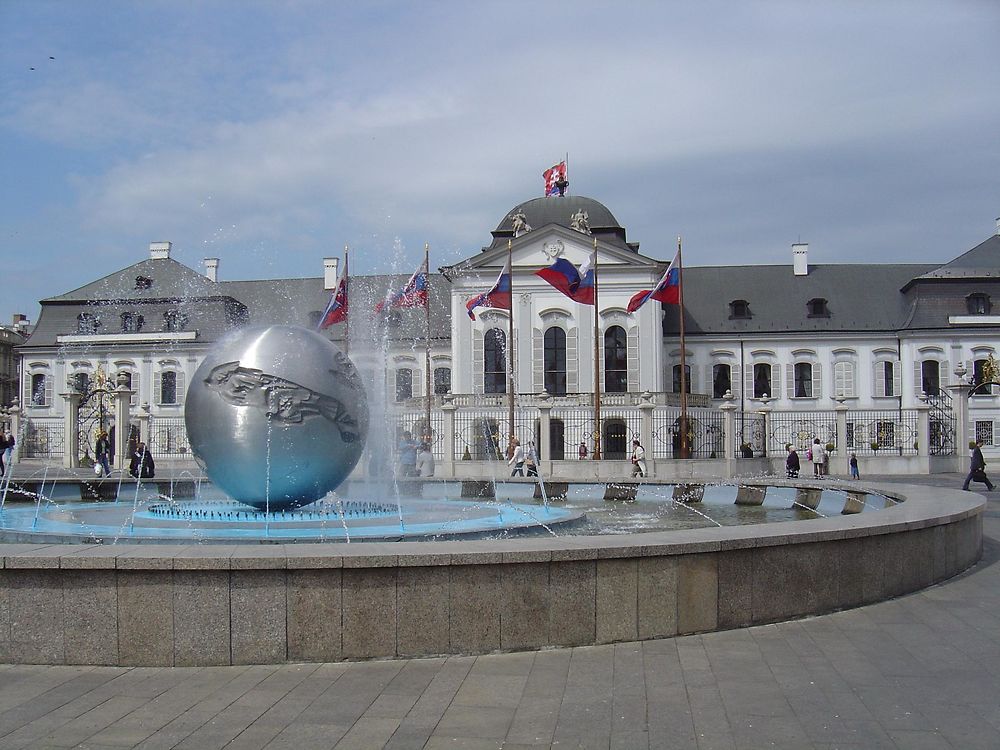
854	467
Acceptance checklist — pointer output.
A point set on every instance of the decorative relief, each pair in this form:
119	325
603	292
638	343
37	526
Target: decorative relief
553	250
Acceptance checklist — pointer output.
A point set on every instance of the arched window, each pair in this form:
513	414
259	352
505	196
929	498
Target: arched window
762	380
494	361
555	361
615	360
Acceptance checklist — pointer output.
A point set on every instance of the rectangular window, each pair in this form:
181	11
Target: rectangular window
404	384
442	380
930	377
984	431
887	376
803	380
677	378
38	389
722	380
168	387
761	380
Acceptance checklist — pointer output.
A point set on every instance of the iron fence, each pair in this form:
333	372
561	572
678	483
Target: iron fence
751	435
44	438
168	438
892	431
483	435
706	433
800	428
416	424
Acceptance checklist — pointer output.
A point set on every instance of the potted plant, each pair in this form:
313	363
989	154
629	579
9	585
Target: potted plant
830	447
875	445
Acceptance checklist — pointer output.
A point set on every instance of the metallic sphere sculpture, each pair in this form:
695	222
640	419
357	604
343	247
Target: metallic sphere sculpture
277	415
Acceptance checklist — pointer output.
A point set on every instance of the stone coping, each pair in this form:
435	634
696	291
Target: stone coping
924	507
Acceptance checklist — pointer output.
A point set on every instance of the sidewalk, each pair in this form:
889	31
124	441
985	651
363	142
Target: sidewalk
922	671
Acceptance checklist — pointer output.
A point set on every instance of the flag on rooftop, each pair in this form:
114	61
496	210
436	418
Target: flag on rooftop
554	177
336	308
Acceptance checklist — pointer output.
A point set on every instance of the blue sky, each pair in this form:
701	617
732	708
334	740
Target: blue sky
269	134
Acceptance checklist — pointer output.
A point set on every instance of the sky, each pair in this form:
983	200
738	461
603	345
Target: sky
271	134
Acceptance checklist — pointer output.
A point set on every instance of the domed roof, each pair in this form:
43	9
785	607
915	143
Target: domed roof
555	210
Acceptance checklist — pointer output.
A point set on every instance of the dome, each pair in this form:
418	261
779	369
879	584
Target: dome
555	210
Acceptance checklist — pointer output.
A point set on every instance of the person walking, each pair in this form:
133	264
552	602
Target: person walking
853	463
792	465
102	452
141	465
818	457
977	469
638	459
531	459
3	453
516	458
8	453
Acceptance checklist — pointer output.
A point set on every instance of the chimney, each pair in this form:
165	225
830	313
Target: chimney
998	226
159	250
330	266
800	258
212	268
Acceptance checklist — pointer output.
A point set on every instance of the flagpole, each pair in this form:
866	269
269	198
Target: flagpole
597	364
510	355
347	318
685	447
427	316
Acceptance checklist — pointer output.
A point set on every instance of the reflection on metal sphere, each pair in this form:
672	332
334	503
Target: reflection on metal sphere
277	415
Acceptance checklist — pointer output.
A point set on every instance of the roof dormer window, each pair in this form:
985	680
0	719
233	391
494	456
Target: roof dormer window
739	309
978	303
817	308
143	282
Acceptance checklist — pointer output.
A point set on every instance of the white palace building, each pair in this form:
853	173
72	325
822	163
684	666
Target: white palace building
875	359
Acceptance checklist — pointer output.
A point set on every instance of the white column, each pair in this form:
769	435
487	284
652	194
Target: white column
71	439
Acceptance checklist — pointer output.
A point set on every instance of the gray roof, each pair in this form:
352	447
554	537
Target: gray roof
981	262
540	212
861	297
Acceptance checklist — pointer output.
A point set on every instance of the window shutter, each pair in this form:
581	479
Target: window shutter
878	379
181	388
897	373
134	401
918	385
775	381
817	380
417	380
708	383
748	380
478	378
572	361
736	384
48	389
944	373
632	359
157	392
790	380
538	360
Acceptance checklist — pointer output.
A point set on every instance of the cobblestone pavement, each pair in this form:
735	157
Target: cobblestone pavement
920	671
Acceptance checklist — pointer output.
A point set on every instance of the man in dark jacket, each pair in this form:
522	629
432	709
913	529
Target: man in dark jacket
977	470
792	465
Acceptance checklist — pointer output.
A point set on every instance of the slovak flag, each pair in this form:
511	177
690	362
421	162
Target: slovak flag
553	175
497	297
336	309
578	285
413	293
667	289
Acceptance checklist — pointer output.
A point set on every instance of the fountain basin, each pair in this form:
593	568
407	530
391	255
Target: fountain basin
243	604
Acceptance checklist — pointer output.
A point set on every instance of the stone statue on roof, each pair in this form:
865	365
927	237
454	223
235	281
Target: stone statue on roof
580	221
520	222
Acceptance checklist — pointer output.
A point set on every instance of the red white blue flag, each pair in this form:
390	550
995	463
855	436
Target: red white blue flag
577	284
336	309
554	175
413	293
667	289
497	297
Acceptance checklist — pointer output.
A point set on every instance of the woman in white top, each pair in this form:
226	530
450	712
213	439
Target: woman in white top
638	459
425	460
517	458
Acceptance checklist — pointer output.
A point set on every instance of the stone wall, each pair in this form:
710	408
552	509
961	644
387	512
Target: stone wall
211	605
